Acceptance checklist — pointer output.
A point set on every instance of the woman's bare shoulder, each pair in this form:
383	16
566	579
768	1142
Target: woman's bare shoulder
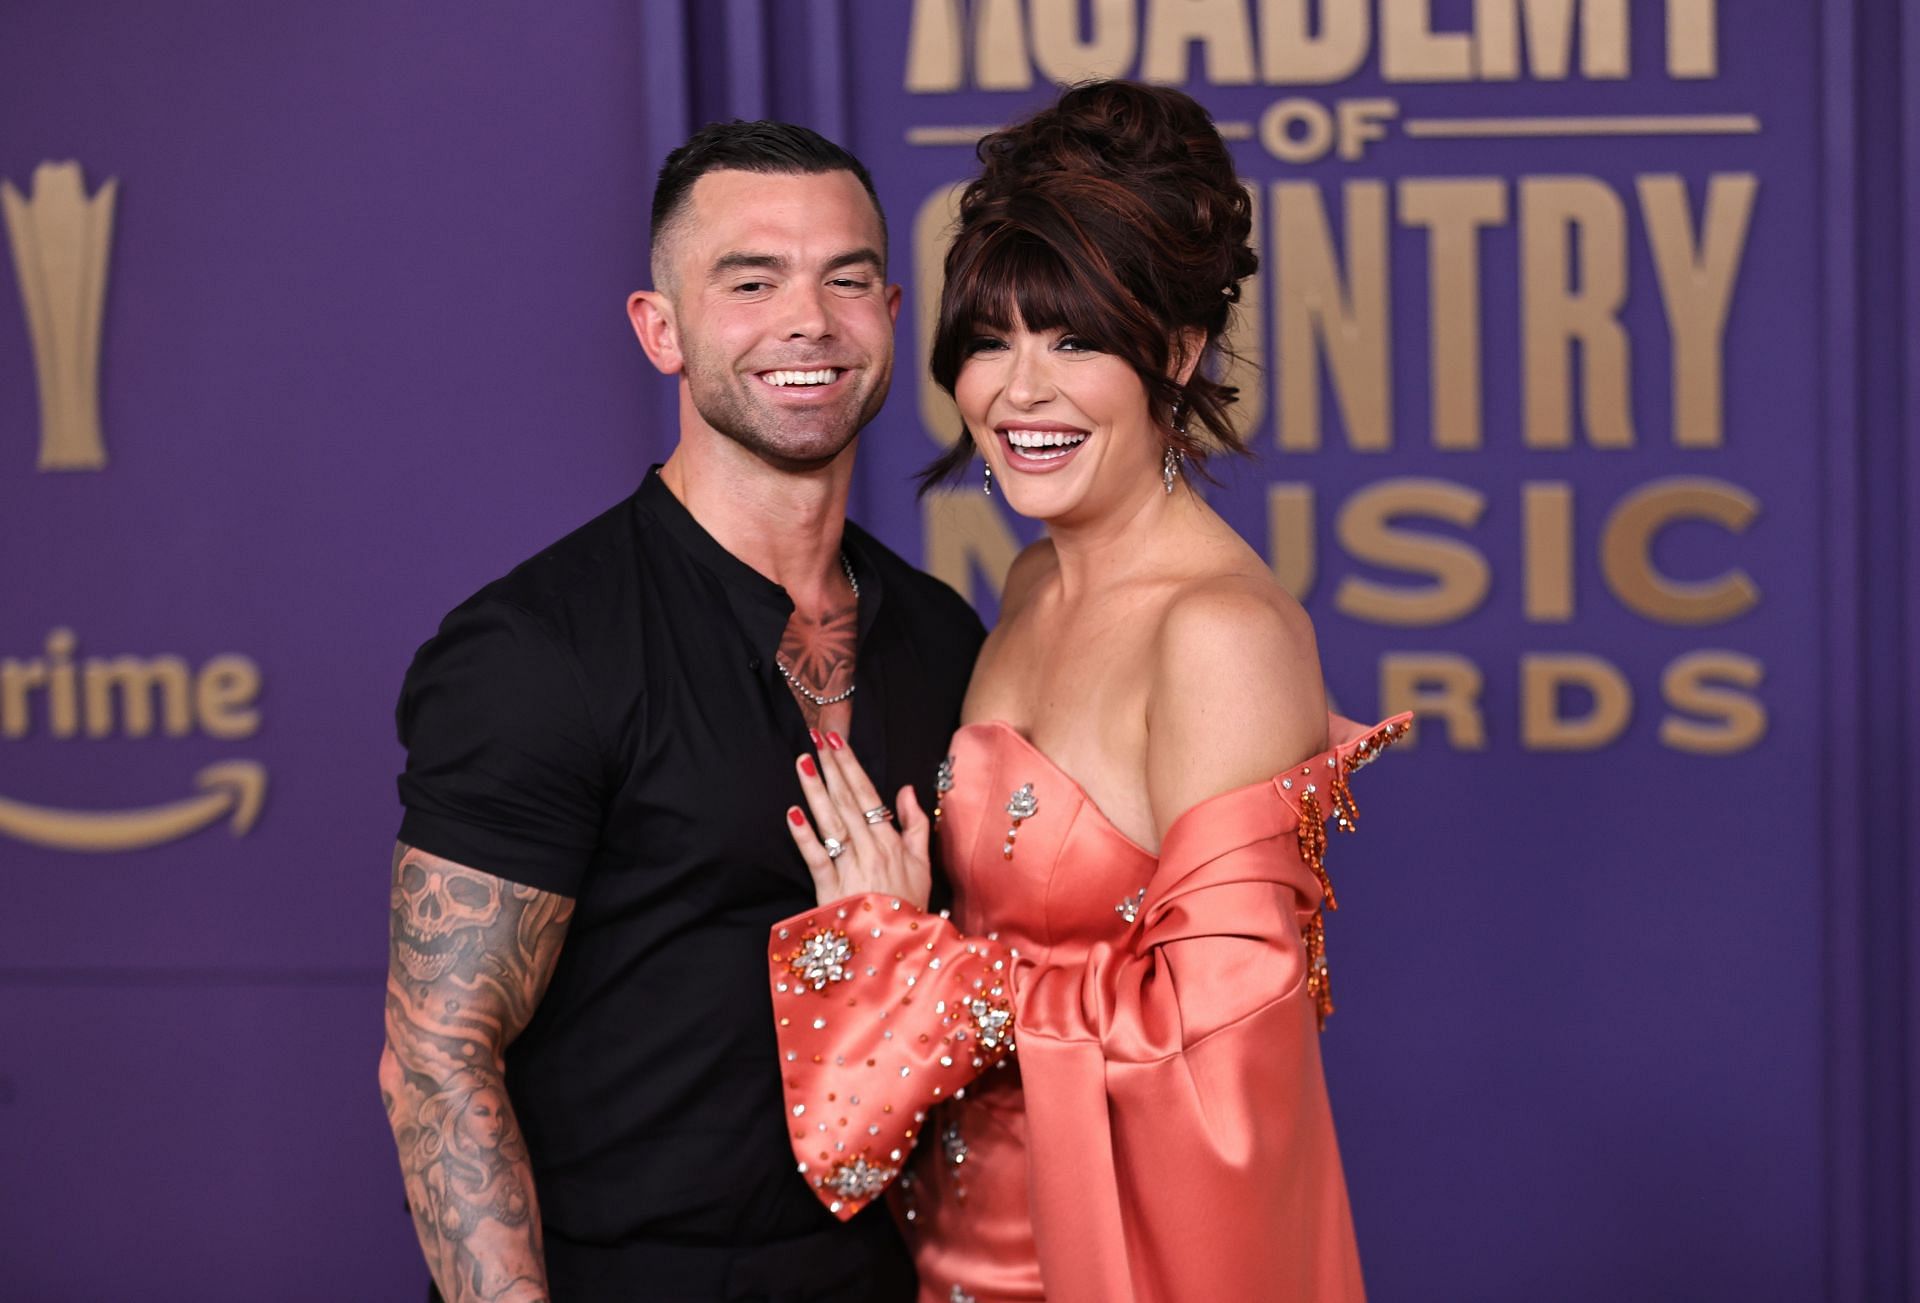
1237	693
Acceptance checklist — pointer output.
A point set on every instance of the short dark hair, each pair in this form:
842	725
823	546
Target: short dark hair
773	148
1113	214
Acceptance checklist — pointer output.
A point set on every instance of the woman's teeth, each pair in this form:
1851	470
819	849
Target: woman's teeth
1034	444
784	378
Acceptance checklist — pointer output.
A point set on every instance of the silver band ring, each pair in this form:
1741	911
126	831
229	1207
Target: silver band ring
835	847
878	814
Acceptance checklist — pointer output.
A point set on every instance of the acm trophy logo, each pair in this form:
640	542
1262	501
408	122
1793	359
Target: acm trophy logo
60	238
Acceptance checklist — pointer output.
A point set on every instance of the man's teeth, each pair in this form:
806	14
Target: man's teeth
1045	439
800	377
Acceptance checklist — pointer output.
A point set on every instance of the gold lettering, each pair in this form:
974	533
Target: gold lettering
1000	60
1693	38
966	535
934	34
1556	317
1604	46
1627	564
1291	52
1460	573
63	697
1277	130
1454	213
1316	312
1543	675
1706	683
17	680
1362	121
163	690
1410	50
1435	685
138	680
224	694
932	232
1696	284
1220	26
1548	510
936	37
1496	39
1290	544
1064	57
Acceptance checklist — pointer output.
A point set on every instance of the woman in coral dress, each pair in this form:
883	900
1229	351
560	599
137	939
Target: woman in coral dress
1095	1079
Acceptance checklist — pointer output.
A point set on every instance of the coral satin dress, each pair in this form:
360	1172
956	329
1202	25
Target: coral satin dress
1098	1080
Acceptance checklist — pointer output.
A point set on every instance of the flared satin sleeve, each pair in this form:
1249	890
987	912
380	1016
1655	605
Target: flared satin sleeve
1181	1145
883	1011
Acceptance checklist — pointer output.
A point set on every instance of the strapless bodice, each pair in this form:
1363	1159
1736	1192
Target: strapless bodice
1070	879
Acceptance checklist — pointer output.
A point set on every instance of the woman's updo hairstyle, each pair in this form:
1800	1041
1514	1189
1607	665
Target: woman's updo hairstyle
1113	215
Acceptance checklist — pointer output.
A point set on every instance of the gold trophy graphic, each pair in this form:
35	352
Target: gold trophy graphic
60	238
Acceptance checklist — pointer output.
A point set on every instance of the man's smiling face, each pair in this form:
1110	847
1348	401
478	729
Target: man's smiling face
781	310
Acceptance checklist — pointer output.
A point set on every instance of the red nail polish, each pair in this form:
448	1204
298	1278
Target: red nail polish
818	741
806	767
795	818
833	740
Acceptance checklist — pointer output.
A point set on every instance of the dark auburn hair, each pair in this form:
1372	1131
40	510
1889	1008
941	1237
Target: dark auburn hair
1114	215
774	148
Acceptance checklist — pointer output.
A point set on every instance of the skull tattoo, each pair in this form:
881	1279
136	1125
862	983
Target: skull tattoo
440	920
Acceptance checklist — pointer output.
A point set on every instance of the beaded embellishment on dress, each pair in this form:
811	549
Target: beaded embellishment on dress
1021	806
942	784
824	956
1312	835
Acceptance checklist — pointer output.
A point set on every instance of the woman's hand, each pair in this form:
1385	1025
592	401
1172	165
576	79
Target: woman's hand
873	855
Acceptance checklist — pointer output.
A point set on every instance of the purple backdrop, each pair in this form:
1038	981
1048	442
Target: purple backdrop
1623	1022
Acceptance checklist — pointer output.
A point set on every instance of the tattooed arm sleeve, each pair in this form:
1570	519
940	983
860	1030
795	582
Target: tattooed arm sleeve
469	958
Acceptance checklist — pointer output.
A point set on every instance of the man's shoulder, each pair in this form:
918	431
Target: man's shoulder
577	576
924	598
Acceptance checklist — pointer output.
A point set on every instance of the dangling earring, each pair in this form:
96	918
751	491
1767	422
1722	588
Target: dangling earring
1170	464
987	484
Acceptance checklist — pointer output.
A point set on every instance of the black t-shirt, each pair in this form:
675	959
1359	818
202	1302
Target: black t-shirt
606	722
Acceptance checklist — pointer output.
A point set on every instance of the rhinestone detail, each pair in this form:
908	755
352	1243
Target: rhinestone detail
992	1018
954	1144
856	1178
942	784
1022	805
823	957
1129	909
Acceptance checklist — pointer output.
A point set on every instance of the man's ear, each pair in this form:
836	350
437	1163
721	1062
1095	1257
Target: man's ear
651	313
893	304
1188	344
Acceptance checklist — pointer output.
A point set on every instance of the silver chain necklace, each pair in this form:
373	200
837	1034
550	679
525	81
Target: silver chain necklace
802	688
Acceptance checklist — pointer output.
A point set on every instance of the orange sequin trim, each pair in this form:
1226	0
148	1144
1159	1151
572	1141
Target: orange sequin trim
1312	836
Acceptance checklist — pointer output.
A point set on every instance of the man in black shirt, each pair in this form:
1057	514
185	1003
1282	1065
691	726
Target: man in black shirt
580	1066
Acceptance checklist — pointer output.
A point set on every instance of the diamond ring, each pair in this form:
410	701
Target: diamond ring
878	814
835	847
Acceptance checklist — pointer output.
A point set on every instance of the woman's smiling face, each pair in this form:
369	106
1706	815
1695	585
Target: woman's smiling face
1065	427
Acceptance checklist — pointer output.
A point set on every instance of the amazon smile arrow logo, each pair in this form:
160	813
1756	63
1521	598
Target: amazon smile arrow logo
233	790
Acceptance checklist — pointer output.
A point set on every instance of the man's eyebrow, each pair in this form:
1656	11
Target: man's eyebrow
854	257
730	262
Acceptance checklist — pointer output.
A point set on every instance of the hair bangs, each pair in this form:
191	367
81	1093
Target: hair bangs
1017	278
